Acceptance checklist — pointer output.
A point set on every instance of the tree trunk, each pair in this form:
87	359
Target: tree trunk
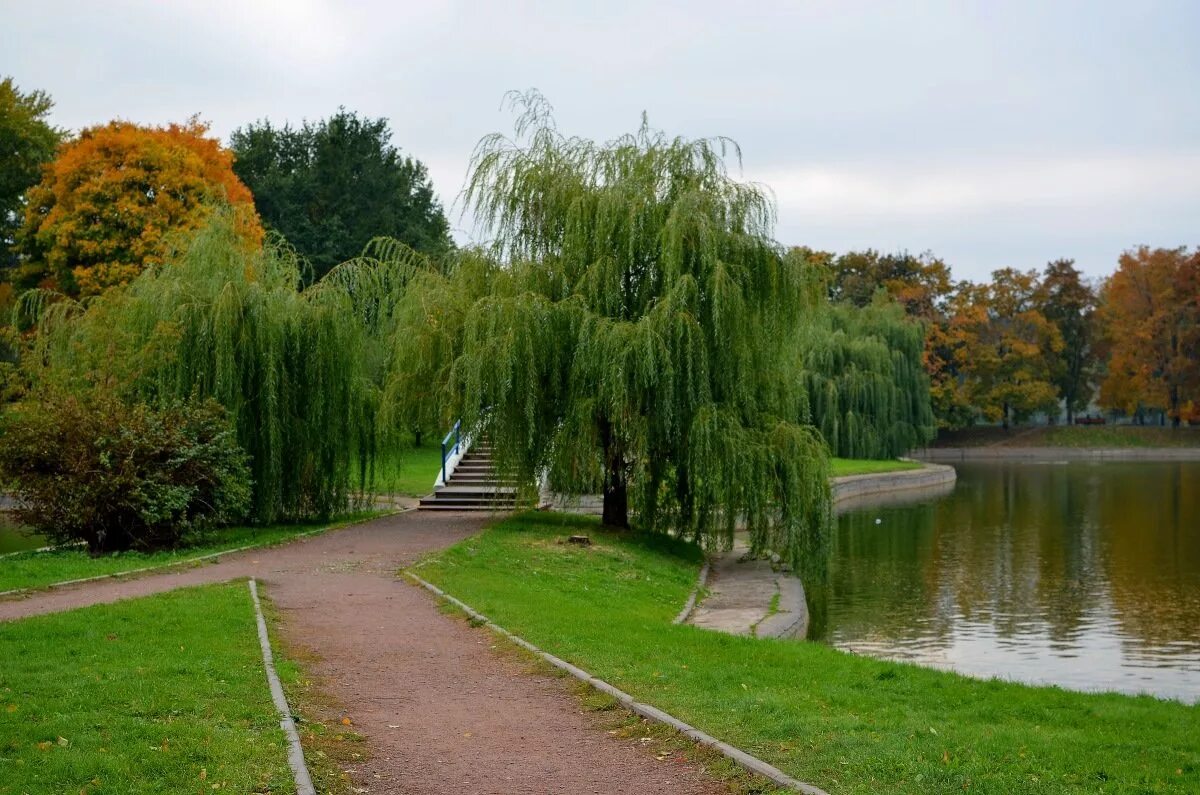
1005	409
417	437
616	499
1174	405
616	485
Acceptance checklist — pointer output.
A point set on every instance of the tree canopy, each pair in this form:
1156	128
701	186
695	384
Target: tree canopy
632	333
1069	303
27	142
862	373
1007	347
1150	309
106	205
331	186
215	320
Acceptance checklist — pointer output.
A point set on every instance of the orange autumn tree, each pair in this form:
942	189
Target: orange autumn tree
1150	316
1006	347
107	202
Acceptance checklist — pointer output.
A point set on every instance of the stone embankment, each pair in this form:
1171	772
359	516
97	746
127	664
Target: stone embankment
755	596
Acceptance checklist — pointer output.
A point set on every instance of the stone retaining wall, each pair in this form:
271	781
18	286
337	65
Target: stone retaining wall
853	487
846	489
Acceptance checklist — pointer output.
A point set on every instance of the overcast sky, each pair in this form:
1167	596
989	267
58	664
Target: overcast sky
995	133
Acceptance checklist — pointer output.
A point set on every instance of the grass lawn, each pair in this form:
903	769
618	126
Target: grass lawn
846	723
160	694
409	472
855	466
28	570
1072	436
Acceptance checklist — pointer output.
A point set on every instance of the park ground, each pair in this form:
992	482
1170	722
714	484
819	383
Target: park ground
399	693
1078	436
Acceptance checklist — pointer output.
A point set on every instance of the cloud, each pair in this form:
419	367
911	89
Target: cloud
950	189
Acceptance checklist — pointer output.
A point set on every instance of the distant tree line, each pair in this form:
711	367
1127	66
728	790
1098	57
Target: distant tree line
1029	342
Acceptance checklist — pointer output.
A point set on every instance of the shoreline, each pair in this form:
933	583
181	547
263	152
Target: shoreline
852	488
1159	454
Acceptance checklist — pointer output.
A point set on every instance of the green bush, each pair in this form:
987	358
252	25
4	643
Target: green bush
123	476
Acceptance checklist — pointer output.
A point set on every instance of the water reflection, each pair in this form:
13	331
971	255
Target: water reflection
1084	575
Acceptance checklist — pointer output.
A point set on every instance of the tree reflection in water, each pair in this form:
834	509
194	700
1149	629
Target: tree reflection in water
1085	575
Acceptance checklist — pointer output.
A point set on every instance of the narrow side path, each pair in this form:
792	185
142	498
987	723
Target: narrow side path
442	713
747	596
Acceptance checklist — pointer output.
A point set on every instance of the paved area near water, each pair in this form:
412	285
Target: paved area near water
442	712
741	592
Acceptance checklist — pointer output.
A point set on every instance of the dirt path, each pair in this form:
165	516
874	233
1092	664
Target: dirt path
442	713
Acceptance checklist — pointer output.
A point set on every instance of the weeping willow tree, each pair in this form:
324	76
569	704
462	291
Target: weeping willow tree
294	369
630	336
862	375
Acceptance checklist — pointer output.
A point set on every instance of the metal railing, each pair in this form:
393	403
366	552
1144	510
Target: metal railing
455	434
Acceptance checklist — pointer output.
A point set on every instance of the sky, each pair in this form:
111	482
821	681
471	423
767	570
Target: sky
995	134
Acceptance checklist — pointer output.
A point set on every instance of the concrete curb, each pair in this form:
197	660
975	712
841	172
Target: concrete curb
690	604
750	763
304	785
199	559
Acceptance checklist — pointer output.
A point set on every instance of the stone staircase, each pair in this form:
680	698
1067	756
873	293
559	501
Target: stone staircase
474	486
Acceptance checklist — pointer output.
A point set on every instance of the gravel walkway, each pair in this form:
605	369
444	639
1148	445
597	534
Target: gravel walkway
442	712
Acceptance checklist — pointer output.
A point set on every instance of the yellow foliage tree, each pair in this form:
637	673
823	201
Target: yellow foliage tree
1150	315
1006	347
107	202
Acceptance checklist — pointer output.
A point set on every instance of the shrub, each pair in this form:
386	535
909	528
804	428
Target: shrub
123	476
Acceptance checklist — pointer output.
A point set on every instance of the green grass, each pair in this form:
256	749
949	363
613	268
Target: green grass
30	570
410	471
854	466
1083	436
1125	436
154	695
846	723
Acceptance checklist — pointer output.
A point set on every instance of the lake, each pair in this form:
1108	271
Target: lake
1084	575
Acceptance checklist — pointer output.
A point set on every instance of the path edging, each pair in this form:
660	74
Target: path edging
690	604
750	763
304	784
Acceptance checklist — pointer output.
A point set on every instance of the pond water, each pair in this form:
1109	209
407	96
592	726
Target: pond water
1084	575
14	539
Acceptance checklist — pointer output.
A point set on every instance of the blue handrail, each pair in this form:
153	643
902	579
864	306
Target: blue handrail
454	433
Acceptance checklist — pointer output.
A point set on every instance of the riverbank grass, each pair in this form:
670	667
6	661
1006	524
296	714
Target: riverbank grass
846	723
840	467
32	570
159	694
1076	436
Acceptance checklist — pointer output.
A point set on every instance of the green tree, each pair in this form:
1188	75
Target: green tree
864	379
635	333
920	284
27	142
331	186
1006	347
218	321
1069	304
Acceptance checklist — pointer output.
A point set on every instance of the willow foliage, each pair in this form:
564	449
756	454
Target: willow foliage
630	335
866	387
218	321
